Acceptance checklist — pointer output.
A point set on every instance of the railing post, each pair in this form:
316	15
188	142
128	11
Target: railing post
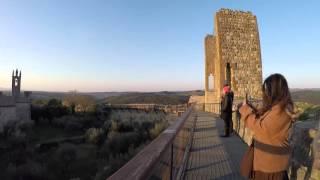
171	162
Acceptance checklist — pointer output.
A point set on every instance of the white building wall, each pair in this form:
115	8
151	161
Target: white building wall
7	114
23	111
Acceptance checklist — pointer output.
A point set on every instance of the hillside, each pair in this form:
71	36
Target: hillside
148	98
60	95
164	97
309	96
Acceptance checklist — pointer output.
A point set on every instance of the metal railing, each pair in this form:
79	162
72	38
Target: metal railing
166	156
208	107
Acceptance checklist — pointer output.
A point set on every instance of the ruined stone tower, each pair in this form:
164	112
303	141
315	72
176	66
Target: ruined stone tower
232	55
16	83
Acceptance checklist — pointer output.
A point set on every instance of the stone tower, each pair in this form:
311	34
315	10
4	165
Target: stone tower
232	55
16	83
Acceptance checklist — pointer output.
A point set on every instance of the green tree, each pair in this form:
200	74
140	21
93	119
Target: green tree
79	103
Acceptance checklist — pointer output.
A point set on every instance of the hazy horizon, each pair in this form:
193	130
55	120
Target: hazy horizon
69	91
121	46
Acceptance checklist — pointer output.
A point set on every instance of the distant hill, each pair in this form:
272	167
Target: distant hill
300	95
304	89
306	95
60	95
163	97
120	97
47	95
149	98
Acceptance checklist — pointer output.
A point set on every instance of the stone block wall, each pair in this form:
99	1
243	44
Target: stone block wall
305	142
211	97
239	45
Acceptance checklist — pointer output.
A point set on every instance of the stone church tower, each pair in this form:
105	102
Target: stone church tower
16	84
232	55
16	107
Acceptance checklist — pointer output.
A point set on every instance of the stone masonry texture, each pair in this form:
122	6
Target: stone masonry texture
233	55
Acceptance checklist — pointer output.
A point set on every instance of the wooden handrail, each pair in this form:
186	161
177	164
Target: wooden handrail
141	166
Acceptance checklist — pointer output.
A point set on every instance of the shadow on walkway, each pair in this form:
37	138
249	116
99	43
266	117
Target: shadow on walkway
213	157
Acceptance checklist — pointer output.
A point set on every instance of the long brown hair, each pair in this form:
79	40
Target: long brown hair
275	90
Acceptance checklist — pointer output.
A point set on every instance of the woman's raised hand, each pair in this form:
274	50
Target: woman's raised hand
244	102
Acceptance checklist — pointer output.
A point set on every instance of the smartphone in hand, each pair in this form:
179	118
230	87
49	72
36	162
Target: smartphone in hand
246	100
249	104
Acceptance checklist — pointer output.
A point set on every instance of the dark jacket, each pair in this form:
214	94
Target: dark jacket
226	106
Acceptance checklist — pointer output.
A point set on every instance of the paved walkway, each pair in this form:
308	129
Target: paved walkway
213	157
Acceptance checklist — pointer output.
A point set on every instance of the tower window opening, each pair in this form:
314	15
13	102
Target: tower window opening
211	82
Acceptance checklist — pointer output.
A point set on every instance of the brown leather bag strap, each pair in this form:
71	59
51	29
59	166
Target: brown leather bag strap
271	148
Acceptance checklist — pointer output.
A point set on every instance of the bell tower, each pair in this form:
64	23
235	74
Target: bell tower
16	83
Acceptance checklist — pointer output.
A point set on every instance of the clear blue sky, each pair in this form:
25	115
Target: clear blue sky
145	45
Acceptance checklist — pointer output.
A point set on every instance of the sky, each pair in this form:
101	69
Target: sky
145	45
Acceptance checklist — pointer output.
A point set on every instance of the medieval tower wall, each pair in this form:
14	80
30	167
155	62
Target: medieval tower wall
232	55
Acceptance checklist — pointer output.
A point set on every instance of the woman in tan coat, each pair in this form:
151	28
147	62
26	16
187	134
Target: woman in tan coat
271	125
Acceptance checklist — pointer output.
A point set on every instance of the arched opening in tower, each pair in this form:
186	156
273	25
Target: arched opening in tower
228	74
16	82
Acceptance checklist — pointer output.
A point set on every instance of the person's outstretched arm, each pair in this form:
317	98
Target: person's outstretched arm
251	121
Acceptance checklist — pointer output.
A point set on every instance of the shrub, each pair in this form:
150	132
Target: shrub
119	143
72	125
115	162
25	125
114	126
94	135
8	129
59	122
59	164
67	152
29	170
124	126
68	123
16	129
158	128
304	116
112	134
51	110
80	103
107	125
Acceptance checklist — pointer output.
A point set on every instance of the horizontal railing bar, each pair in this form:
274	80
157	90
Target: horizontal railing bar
140	166
181	172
